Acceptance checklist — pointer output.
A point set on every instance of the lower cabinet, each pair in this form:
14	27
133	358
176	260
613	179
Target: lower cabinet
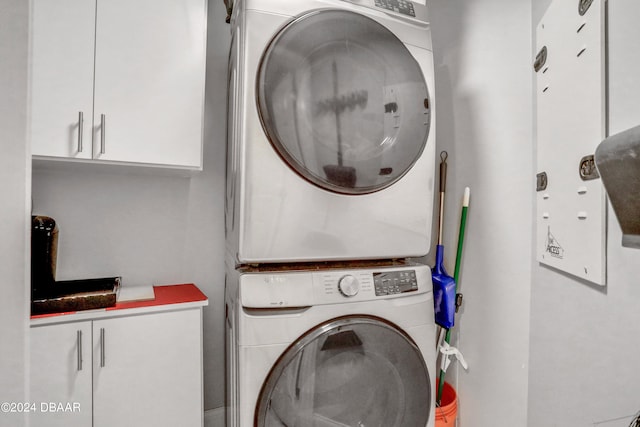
142	370
61	374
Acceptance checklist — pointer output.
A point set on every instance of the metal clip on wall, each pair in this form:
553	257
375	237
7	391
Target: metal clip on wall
583	6
587	168
229	5
541	59
459	298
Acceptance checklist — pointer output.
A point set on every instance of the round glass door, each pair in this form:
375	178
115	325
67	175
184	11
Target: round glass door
352	371
343	101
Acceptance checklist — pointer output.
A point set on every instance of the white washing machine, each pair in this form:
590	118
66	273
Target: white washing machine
331	138
331	347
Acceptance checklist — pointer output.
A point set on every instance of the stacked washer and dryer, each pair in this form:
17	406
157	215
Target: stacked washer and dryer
330	176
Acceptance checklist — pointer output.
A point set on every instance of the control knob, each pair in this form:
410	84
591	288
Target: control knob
348	285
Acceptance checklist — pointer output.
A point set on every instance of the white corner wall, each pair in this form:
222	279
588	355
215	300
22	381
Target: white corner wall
484	108
15	180
585	340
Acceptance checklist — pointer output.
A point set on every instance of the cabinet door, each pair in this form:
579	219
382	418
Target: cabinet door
63	34
148	370
149	81
61	375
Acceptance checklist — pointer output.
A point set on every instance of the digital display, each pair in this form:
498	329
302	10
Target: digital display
395	282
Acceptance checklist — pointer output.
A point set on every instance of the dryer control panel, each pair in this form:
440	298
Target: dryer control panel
395	282
401	6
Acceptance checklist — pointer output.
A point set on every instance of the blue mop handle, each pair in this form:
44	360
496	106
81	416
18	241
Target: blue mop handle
439	264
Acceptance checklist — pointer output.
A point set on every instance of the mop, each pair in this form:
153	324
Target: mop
443	285
445	348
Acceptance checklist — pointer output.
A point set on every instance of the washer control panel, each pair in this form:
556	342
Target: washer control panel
395	282
305	288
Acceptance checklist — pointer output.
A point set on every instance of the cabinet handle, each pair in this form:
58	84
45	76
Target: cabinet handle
102	347
102	128
79	344
80	130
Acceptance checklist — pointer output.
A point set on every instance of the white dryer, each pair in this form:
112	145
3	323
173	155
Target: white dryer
331	138
331	347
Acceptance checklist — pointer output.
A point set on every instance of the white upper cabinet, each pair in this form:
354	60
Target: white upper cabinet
63	39
149	81
139	65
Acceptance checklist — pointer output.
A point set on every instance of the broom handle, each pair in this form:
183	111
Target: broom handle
463	222
456	276
443	185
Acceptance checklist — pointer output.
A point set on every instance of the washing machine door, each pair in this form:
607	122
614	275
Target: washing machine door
352	371
343	101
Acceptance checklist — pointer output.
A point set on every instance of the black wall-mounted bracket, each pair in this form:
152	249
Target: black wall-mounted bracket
587	168
541	59
583	6
541	181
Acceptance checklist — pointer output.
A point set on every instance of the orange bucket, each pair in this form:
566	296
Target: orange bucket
447	412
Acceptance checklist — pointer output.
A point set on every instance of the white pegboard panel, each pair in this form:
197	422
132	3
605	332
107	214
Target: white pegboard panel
571	122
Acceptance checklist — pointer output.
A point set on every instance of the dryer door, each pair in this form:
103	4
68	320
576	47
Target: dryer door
343	101
351	371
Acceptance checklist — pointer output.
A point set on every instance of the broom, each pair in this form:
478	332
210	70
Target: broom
456	278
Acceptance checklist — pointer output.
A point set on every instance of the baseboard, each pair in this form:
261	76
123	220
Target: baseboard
214	417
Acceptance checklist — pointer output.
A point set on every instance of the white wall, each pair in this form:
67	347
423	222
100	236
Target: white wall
585	340
483	104
153	227
14	205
